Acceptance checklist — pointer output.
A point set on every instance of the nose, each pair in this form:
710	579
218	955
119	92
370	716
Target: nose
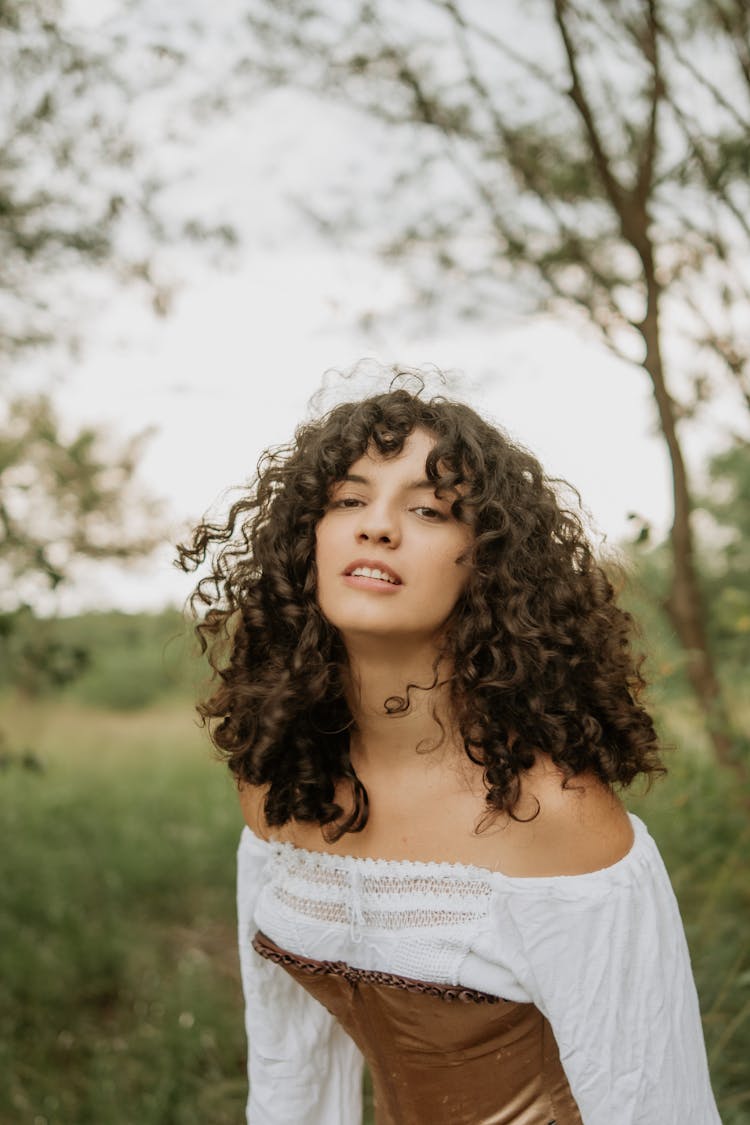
379	525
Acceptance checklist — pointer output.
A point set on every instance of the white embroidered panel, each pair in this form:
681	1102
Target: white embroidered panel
425	914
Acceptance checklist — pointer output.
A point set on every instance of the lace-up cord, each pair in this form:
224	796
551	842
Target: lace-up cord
354	976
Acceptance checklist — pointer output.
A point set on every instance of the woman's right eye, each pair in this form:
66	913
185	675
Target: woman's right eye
345	502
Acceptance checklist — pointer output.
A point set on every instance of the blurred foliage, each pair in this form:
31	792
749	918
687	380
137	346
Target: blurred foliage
111	660
81	178
585	159
64	498
33	658
94	114
701	826
725	554
723	558
66	161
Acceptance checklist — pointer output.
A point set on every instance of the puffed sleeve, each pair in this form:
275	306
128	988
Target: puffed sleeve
604	957
302	1065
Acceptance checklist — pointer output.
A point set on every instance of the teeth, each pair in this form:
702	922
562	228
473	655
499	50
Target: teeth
369	572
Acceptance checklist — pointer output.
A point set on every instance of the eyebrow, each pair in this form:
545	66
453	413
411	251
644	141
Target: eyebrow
415	486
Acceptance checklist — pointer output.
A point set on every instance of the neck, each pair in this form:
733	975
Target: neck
376	675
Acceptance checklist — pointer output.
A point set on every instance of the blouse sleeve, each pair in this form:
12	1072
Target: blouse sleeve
302	1065
604	958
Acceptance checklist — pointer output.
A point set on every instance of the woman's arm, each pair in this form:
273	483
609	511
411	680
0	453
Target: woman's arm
302	1066
603	956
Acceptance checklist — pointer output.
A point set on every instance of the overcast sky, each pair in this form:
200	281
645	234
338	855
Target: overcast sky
232	369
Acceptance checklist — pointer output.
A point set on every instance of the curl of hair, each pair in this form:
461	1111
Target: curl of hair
540	652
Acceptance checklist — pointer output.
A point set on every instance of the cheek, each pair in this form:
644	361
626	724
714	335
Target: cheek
324	551
451	574
324	536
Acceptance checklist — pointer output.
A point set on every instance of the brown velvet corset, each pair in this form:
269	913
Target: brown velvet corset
440	1054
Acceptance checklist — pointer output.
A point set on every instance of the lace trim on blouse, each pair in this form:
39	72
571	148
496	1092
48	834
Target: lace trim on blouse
349	891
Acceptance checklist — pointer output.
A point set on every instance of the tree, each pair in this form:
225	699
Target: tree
88	114
597	154
725	555
65	498
88	117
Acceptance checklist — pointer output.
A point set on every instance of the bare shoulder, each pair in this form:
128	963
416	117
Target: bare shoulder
580	827
252	798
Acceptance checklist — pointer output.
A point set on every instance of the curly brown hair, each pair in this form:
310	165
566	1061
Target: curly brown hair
540	652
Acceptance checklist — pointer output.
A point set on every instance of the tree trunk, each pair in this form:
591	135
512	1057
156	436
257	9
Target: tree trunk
684	603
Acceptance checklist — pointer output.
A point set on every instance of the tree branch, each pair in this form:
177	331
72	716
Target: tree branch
645	172
695	143
540	73
577	94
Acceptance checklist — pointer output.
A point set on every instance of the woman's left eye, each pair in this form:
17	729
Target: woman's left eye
429	513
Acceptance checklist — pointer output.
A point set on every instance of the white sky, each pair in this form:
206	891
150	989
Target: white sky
231	370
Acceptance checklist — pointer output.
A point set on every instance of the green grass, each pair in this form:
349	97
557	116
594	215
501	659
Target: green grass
119	985
703	830
120	1000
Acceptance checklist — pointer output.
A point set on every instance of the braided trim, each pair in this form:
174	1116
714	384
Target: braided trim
266	948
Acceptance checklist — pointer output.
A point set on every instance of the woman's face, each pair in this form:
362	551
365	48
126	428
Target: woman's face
387	548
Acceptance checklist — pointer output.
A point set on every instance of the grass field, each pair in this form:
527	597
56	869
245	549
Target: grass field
120	1000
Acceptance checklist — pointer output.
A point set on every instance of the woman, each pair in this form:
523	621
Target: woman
427	695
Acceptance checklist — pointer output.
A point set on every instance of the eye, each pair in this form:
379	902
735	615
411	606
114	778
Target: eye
431	514
345	502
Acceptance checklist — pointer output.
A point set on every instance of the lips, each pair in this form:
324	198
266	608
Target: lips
374	564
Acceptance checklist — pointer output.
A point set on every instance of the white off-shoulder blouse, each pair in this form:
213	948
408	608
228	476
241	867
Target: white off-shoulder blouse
602	956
